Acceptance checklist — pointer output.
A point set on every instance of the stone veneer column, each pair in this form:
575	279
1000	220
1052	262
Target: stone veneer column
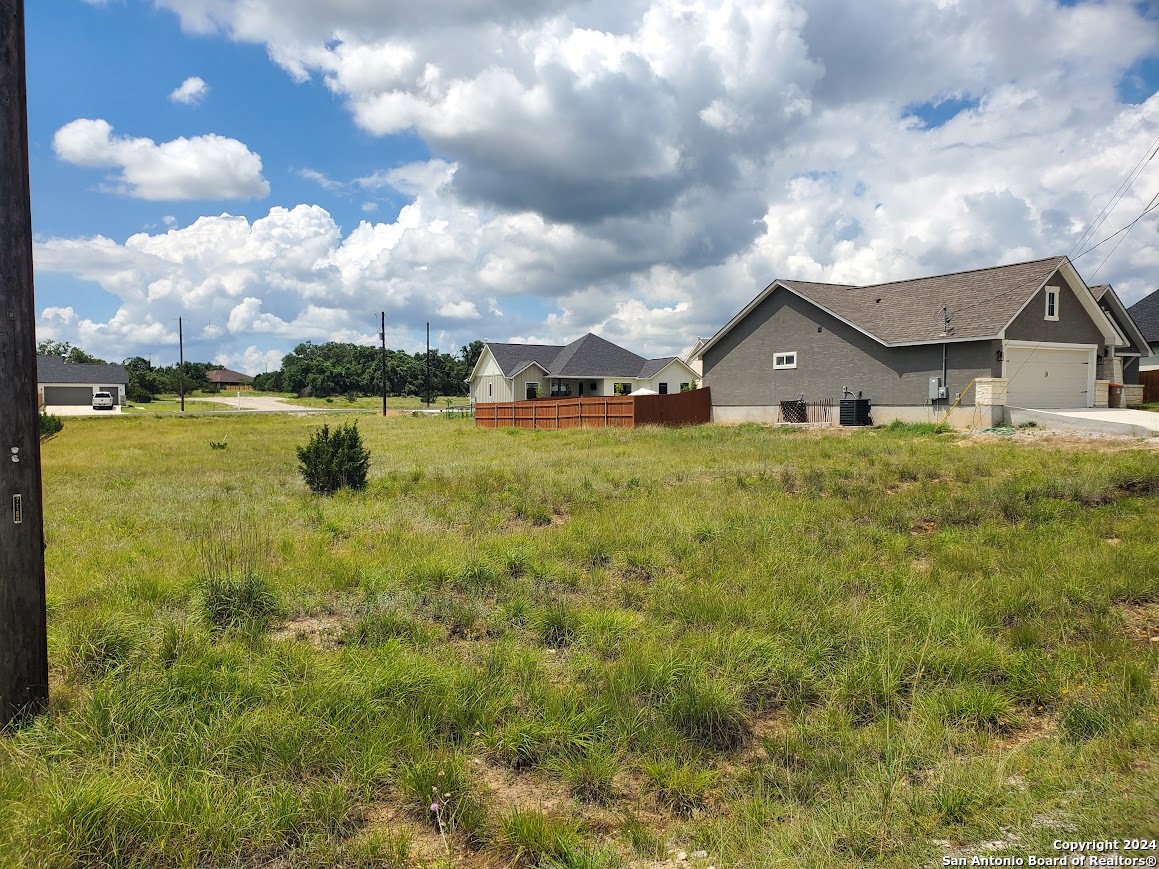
990	391
1133	395
1102	393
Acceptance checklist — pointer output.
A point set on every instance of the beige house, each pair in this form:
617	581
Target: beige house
589	366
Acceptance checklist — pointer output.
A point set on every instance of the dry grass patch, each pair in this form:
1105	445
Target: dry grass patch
1141	621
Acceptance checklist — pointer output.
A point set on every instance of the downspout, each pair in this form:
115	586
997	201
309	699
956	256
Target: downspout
945	333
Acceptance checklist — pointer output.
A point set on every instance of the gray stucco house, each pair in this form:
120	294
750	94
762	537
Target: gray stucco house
62	383
1145	313
1029	335
588	366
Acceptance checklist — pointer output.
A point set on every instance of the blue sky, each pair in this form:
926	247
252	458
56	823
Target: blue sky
537	169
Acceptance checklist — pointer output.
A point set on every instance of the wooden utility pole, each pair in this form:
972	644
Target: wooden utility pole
23	619
181	364
382	335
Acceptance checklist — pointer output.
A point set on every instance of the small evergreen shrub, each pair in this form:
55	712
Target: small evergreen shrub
333	461
138	394
50	425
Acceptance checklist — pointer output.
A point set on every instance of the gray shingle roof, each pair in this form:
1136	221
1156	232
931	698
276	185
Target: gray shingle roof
53	369
1145	313
513	357
589	356
225	375
653	367
981	302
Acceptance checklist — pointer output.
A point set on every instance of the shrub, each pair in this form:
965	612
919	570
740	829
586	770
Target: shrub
138	394
333	461
50	425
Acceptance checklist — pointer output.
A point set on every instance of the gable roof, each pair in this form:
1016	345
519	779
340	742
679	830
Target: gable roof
588	356
981	303
1120	316
1145	313
53	369
225	375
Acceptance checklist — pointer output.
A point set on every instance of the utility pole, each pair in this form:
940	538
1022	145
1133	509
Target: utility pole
382	335
23	616
181	365
428	363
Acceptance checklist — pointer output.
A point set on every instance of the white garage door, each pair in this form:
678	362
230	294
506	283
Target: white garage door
1047	376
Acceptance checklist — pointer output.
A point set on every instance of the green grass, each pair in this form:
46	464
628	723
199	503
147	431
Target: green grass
372	402
781	648
173	405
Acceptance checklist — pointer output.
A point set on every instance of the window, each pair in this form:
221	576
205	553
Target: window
621	389
785	360
1052	303
663	388
488	390
685	387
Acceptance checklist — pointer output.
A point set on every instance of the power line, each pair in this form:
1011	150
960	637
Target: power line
1117	197
1154	204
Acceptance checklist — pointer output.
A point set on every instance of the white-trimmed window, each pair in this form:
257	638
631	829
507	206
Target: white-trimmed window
785	360
1052	298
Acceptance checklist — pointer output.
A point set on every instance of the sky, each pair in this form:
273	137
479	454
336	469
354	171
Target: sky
279	171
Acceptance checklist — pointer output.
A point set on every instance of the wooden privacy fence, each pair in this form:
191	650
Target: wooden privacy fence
624	411
1150	381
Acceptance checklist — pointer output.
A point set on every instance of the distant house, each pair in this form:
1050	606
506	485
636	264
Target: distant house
227	379
1029	335
692	356
60	383
1145	313
588	366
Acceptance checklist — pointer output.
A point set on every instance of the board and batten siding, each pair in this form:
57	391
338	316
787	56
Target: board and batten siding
489	384
739	368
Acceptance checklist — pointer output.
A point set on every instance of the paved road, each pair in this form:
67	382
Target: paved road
258	402
79	410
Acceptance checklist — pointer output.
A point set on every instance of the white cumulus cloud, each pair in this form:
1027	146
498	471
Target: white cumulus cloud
201	167
190	92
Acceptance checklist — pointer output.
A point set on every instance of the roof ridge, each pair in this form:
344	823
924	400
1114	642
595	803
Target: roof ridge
1031	262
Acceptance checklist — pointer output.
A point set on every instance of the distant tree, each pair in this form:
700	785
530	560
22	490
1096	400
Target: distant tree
470	355
70	354
53	348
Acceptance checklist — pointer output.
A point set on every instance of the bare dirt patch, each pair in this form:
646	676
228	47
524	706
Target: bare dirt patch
923	526
1099	442
426	845
1038	727
522	790
1141	622
320	631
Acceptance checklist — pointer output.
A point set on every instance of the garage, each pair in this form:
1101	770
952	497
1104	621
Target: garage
1048	376
68	395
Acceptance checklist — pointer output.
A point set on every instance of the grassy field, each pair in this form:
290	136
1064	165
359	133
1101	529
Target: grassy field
168	404
393	402
588	649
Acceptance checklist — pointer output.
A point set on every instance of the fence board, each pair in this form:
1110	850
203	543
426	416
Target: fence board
1150	381
619	411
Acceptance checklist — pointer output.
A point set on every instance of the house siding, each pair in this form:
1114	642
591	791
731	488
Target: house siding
1073	326
500	389
739	368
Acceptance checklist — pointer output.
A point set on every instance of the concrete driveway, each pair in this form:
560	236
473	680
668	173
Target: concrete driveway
79	410
1124	421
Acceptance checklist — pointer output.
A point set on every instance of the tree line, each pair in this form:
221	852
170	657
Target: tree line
321	370
335	368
